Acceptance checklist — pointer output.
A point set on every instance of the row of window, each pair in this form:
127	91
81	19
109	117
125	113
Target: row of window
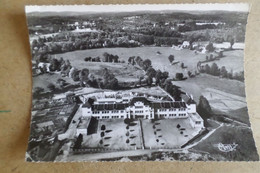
106	112
171	115
139	111
164	110
107	117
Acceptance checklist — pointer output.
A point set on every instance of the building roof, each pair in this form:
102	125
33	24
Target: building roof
103	107
86	105
191	101
168	105
139	99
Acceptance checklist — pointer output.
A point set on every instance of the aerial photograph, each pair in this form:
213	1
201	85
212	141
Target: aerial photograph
139	83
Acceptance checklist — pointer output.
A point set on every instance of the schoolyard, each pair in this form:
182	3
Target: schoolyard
116	136
165	133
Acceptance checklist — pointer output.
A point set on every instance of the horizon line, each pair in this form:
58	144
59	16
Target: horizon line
232	7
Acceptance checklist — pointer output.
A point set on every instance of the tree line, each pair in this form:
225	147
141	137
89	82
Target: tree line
156	77
222	72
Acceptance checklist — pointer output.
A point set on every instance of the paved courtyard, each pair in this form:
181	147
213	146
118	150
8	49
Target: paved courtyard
168	133
115	136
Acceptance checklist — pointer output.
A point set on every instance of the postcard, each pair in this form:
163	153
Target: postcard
154	82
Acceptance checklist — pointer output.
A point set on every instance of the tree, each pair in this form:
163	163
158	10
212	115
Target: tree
105	57
103	127
168	86
207	69
165	75
54	65
149	81
207	57
176	93
231	40
61	82
38	90
182	65
189	73
214	70
101	142
83	75
75	75
223	72
210	47
127	133
179	76
171	58
204	108
146	64
78	141
151	72
158	77
51	87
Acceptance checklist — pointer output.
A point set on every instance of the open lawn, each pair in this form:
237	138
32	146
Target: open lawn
165	134
225	96
43	80
223	101
196	86
244	151
114	136
159	61
233	61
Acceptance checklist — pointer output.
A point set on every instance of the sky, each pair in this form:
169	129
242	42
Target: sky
241	7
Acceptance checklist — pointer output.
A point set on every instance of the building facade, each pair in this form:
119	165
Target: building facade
141	107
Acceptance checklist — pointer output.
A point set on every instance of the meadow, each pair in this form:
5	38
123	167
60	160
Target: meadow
233	59
244	151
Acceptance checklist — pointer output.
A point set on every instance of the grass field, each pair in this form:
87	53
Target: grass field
196	86
233	61
159	61
245	150
45	79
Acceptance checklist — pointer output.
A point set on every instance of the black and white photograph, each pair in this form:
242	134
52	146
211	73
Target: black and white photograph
126	83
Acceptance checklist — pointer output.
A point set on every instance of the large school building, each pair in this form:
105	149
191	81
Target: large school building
134	107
